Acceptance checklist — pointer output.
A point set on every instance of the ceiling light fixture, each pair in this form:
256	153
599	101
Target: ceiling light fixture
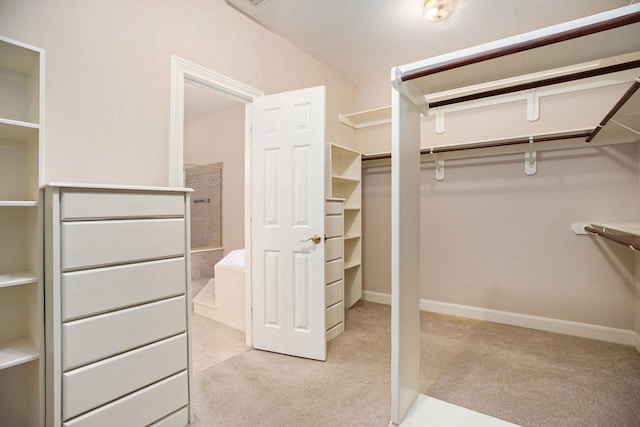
438	10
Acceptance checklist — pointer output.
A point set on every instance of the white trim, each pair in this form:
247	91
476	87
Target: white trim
377	297
427	410
584	330
182	70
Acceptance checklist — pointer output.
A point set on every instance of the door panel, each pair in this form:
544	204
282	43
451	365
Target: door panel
287	209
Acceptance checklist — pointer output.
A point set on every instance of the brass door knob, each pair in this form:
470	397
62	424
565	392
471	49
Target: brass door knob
315	239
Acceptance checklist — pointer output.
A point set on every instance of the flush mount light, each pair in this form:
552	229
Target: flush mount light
438	10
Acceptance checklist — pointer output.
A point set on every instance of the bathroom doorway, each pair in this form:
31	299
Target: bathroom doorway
213	158
213	139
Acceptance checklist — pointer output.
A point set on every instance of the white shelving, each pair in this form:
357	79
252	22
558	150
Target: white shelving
21	289
362	119
19	278
344	182
630	228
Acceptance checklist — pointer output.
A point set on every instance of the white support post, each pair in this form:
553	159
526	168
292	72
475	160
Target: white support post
405	255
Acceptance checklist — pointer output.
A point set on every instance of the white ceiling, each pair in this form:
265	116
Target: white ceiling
364	39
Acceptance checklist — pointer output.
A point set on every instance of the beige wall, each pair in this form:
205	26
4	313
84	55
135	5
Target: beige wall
108	77
495	238
219	137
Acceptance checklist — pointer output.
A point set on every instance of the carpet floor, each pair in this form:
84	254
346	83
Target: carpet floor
527	377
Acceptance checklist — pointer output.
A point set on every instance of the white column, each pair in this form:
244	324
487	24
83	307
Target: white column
405	255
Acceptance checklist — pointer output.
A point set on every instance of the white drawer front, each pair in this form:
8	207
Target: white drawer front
88	292
97	243
333	248
333	293
333	271
93	385
94	338
335	331
158	400
108	204
333	225
333	207
334	315
178	419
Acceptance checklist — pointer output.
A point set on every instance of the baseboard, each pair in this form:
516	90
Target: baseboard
585	330
377	297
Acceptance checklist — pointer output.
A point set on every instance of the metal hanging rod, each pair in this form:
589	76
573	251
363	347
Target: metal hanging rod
632	244
623	100
572	33
461	147
538	83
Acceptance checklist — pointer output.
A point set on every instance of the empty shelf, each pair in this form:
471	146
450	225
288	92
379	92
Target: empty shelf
16	351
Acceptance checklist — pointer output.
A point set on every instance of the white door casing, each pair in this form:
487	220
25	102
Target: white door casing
288	207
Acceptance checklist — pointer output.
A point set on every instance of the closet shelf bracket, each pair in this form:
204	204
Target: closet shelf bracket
530	159
439	163
625	234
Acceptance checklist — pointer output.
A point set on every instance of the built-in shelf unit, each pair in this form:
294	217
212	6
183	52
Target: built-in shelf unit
344	182
21	291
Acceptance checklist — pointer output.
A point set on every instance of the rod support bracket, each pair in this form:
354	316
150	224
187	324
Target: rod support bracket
530	159
439	168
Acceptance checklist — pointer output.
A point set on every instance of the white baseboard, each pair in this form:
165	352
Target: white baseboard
377	297
585	330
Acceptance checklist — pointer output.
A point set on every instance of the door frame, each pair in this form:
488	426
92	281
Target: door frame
181	71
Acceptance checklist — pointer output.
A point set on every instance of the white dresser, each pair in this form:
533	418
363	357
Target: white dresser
117	306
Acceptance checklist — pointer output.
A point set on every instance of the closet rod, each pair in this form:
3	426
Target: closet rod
573	33
451	148
539	83
614	238
623	100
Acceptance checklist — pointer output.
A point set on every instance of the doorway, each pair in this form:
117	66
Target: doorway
209	133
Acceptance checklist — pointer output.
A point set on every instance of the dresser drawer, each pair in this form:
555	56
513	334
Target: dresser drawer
97	243
98	290
333	225
76	205
94	338
159	400
177	419
333	293
333	248
333	271
333	207
91	386
334	315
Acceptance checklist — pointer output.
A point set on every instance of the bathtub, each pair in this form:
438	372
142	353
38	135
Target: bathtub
223	298
234	259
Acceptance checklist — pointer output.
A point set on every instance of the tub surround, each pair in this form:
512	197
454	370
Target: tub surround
223	298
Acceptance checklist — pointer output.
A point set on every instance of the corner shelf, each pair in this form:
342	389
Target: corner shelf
362	119
344	177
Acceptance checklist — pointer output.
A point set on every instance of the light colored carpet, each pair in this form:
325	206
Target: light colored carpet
527	377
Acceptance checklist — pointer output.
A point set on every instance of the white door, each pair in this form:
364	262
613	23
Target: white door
287	267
